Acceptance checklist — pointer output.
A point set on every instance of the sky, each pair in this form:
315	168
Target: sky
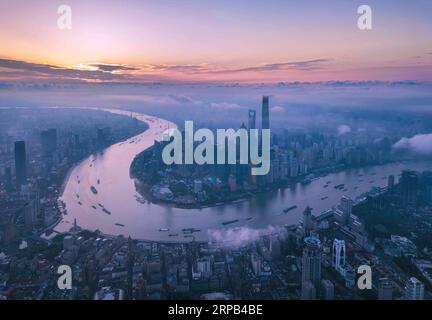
215	41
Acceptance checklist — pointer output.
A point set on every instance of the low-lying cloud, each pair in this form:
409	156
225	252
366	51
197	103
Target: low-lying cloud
344	129
242	236
420	144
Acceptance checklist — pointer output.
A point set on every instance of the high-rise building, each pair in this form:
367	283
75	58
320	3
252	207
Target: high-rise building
307	221
414	289
252	119
346	206
20	162
311	268
391	182
265	113
385	289
327	289
311	260
409	183
339	255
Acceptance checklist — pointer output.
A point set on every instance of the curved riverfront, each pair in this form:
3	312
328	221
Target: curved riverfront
100	194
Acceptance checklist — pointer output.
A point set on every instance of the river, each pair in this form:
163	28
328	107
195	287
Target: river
108	173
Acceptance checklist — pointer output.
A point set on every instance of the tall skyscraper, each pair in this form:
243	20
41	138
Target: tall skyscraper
265	113
252	119
338	255
346	206
307	221
20	162
311	268
311	260
409	183
414	289
391	182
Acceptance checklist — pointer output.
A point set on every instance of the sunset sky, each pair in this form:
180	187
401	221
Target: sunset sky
208	40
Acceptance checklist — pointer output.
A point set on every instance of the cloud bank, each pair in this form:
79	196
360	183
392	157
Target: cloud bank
420	144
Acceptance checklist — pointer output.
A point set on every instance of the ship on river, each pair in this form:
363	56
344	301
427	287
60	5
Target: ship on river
289	209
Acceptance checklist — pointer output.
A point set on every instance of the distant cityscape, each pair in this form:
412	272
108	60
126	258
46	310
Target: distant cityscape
387	228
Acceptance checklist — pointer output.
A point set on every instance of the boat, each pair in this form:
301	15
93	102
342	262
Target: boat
164	229
323	198
94	207
340	186
98	181
80	203
326	186
106	211
190	230
93	189
289	209
229	222
120	224
173	235
100	205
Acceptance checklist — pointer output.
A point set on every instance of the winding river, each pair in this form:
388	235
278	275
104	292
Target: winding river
114	207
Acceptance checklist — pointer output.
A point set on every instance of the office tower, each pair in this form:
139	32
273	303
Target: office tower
338	255
414	289
307	221
265	113
327	289
311	260
252	119
391	182
409	183
49	141
346	205
385	289
20	162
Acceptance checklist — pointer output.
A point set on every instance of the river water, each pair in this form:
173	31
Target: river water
108	172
